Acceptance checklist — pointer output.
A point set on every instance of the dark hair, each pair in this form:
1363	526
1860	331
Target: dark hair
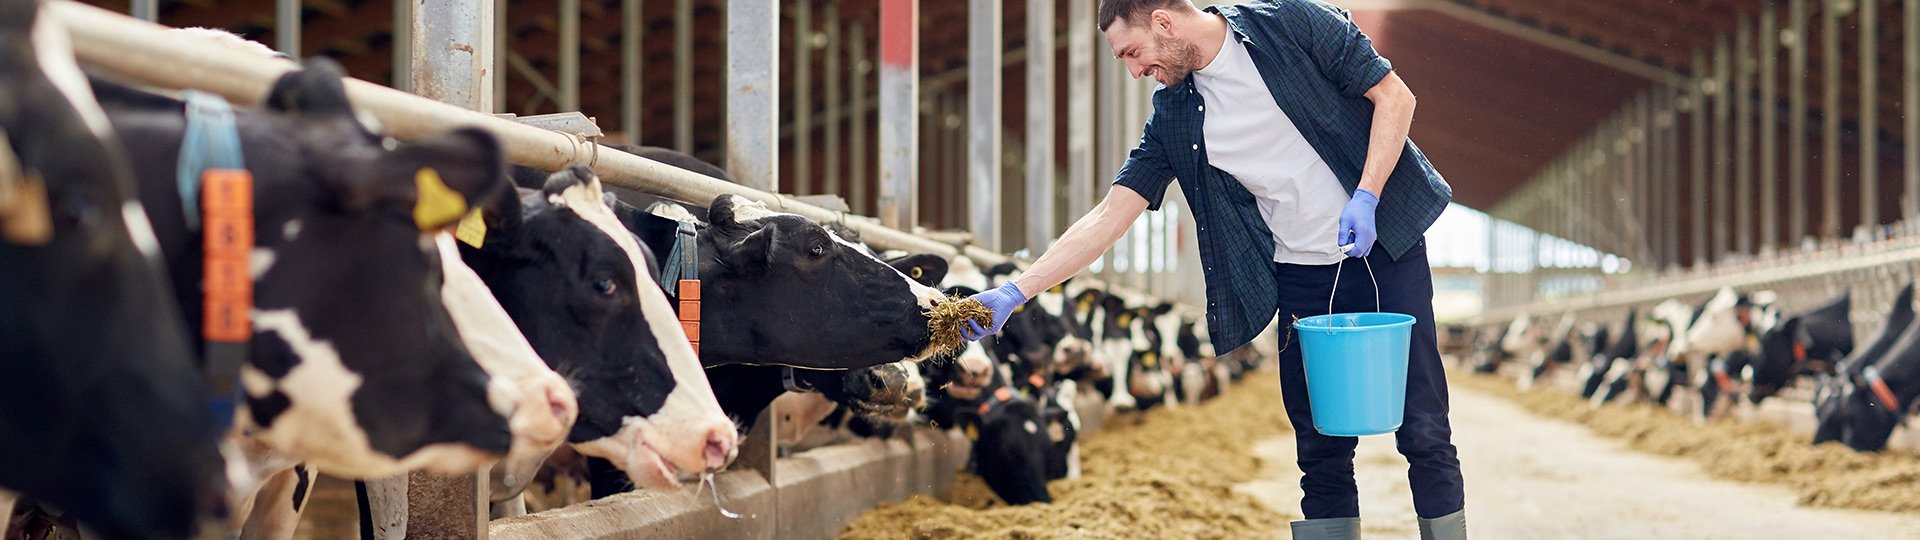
1135	11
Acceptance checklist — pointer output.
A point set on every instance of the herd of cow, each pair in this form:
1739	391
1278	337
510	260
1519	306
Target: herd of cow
1730	347
202	306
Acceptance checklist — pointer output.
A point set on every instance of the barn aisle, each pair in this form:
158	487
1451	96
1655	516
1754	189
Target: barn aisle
1529	476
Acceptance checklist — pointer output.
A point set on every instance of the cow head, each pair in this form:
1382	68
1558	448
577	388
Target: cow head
103	411
780	282
1782	348
576	283
1010	446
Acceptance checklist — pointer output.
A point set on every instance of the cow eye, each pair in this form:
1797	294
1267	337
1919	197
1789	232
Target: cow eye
605	286
817	251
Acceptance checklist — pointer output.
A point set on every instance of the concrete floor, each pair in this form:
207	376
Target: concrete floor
1533	477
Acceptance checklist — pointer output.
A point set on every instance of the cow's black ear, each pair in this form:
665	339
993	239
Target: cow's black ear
721	216
926	268
750	254
317	89
445	176
1162	309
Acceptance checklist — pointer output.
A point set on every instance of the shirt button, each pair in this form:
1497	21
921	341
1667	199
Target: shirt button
1196	147
1203	108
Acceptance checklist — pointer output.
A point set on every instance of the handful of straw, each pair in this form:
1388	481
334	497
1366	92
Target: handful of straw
948	319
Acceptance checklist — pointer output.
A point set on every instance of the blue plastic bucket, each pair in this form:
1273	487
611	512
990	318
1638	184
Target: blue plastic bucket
1356	366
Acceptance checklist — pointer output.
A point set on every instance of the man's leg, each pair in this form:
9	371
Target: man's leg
1326	463
1425	438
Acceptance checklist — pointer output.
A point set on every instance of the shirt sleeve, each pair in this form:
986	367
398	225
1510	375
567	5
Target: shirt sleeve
1343	54
1146	171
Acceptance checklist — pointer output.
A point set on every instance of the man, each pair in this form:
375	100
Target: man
1288	135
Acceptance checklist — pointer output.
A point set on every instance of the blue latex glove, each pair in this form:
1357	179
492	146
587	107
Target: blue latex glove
1002	301
1356	223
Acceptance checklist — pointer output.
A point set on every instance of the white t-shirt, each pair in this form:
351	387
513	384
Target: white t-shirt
1249	137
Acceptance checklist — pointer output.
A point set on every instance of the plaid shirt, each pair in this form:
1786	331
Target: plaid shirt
1318	66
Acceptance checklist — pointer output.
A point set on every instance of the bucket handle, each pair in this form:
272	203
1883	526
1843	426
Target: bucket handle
1336	282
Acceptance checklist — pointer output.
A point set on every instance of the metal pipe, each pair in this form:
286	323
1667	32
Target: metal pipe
836	106
1797	194
802	169
1743	191
1080	91
502	46
1698	195
632	34
286	26
1830	116
860	66
1039	136
1671	216
402	75
753	93
1769	152
569	52
1722	148
1869	115
453	50
899	112
1910	61
984	43
146	10
683	76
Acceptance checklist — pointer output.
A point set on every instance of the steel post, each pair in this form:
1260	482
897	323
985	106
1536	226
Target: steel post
1743	188
632	33
569	53
984	133
683	75
286	27
1769	151
899	113
1797	194
1830	115
1040	182
1080	92
799	180
1869	115
753	93
836	103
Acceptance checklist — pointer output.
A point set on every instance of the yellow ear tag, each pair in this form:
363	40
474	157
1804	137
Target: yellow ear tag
1150	360
437	204
918	273
1057	289
973	434
1086	305
1019	308
472	230
1126	319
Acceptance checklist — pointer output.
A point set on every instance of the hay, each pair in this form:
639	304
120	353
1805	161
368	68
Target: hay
1166	474
1828	475
948	319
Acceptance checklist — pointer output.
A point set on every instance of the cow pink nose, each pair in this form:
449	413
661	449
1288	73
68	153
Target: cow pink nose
566	409
720	448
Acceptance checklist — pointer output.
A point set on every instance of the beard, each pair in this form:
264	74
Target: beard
1181	58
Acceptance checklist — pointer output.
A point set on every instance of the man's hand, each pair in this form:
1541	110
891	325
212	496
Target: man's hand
1002	302
1356	223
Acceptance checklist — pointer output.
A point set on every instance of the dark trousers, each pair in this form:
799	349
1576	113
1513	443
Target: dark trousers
1406	286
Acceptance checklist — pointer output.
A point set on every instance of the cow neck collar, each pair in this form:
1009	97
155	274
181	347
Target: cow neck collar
216	194
681	279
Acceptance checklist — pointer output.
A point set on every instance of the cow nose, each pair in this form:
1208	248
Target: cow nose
720	448
565	407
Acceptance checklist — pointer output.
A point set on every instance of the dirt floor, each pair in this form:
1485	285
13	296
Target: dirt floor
1164	474
1530	476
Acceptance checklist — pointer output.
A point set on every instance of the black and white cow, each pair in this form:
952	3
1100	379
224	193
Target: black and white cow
779	288
1869	407
1621	348
1811	343
104	412
577	284
1831	396
355	364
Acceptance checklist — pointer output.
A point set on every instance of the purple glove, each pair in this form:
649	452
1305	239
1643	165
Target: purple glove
1002	301
1356	223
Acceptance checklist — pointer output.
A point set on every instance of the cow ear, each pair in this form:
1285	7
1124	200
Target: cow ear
751	253
317	89
445	176
926	268
1162	309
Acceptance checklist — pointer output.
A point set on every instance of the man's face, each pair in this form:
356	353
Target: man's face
1153	49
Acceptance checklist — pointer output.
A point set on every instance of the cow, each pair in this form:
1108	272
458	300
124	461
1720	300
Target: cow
1831	394
1811	342
1720	342
1623	348
577	284
1013	447
1869	408
1566	338
105	412
355	364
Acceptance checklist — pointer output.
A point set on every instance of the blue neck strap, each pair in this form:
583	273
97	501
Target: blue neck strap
212	141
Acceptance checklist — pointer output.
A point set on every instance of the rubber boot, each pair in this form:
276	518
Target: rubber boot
1448	527
1327	529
